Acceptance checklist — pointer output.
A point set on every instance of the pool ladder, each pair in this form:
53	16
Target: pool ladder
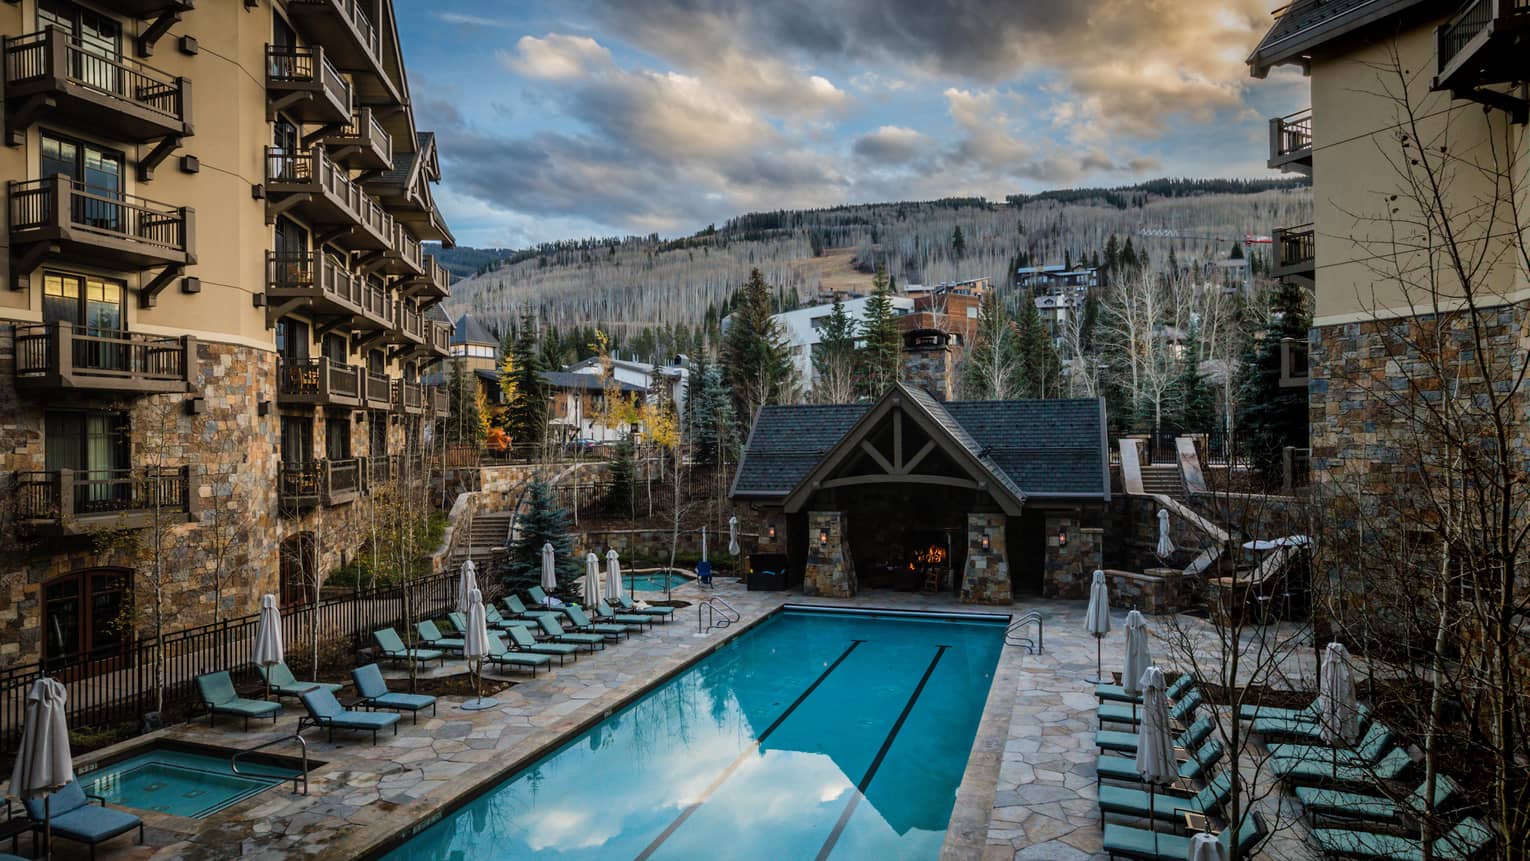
303	776
1015	635
714	612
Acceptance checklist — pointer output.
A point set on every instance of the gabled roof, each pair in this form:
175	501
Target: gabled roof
585	382
1308	24
467	330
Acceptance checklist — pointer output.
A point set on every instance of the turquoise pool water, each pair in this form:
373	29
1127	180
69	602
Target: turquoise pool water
814	735
652	582
179	782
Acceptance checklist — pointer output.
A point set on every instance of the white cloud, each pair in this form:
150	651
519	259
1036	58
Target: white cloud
556	57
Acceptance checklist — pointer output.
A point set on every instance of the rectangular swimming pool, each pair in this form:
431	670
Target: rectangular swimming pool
816	734
181	783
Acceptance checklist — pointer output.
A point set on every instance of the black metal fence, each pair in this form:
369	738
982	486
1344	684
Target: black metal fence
115	686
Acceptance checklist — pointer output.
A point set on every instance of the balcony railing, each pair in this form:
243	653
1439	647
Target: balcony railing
1295	252
352	13
318	382
439	337
407	397
409	322
1483	44
376	306
125	98
363	142
407	249
330	195
74	502
321	278
440	401
105	227
379	469
1291	142
437	281
341	480
379	391
298	485
307	85
57	356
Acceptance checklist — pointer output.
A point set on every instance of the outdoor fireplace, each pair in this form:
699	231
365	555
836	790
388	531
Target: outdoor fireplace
929	561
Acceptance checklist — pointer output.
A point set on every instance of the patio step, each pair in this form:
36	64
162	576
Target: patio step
1165	479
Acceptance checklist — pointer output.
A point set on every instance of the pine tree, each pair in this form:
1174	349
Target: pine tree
526	410
881	340
710	418
543	523
622	499
755	353
464	421
1194	398
958	243
834	358
1040	369
1272	416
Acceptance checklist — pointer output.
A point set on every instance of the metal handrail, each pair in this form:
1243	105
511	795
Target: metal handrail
1013	637
713	607
233	763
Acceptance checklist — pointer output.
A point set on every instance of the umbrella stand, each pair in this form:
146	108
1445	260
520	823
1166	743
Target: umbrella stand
1099	667
479	703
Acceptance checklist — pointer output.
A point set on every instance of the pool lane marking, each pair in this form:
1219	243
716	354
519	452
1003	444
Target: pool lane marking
706	794
876	762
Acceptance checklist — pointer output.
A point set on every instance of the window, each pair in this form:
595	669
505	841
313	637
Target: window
337	438
83	615
98	171
297	440
375	361
291	338
336	349
296	568
94	445
99	37
90	303
291	238
377	434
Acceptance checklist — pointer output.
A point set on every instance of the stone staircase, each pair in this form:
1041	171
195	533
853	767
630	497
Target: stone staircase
1164	479
487	539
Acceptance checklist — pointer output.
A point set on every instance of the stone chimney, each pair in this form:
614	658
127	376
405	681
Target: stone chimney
927	362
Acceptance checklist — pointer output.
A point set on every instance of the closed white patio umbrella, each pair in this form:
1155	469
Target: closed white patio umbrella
1155	744
613	573
1138	658
1338	712
1206	847
1097	620
475	647
44	764
592	582
549	572
1165	544
467	584
733	548
268	638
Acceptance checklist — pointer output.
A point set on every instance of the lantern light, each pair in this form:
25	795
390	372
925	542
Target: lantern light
1062	537
771	532
984	541
823	536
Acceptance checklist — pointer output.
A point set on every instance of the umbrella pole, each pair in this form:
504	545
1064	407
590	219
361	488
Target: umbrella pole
48	825
1153	820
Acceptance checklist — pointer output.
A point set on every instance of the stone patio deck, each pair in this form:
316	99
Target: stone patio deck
1028	793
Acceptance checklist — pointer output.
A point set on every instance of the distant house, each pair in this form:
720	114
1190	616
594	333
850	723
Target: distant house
951	307
675	379
804	327
577	405
1056	276
473	350
1056	309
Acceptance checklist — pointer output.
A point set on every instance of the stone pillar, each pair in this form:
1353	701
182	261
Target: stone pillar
985	580
1072	555
830	569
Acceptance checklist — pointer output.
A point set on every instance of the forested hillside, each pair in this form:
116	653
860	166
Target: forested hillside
630	285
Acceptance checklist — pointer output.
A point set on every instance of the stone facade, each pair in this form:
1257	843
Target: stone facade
1070	566
830	567
985	580
928	363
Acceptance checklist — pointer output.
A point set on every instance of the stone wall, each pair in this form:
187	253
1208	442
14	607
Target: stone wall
1131	535
985	580
830	566
652	546
1070	567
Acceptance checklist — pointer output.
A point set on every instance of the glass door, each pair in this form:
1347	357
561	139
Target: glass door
98	37
95	171
93	306
84	619
94	447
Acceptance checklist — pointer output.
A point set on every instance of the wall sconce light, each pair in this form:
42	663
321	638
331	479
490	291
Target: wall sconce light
1062	537
771	532
984	542
823	536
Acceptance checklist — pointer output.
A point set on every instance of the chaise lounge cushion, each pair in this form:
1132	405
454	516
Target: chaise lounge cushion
1126	742
1124	768
1144	843
217	690
1374	808
326	711
1463	842
1175	690
393	647
284	684
374	691
72	816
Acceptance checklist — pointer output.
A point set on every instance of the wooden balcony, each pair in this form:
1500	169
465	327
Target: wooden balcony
318	284
317	382
352	39
1484	44
59	216
57	357
438	338
362	144
310	184
378	469
148	8
1295	253
404	256
377	391
440	402
1291	143
408	325
306	485
303	83
48	77
1294	368
79	502
408	398
377	313
435	283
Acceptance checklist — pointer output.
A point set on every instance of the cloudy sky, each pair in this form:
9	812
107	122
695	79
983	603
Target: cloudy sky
565	118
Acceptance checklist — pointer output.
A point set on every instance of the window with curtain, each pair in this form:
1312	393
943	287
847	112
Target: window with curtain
297	440
337	438
94	445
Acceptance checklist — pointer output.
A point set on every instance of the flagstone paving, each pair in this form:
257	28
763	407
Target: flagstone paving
1029	792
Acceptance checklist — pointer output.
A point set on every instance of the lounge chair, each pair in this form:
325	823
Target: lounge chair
582	624
1467	840
555	632
523	641
375	694
1126	742
504	657
71	816
431	636
1178	688
1166	807
1124	768
390	646
604	613
1371	748
1391	767
518	610
1338	804
220	698
1299	730
283	684
539	598
325	711
1122	841
495	620
1308	712
1124	713
625	604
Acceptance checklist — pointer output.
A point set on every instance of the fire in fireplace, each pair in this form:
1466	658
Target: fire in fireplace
929	559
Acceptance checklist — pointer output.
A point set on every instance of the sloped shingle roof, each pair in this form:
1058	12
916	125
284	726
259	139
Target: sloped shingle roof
1306	24
468	330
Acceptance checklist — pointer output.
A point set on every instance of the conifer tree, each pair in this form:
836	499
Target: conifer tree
756	354
881	340
1040	369
1195	400
465	421
711	420
958	243
543	523
526	409
1272	416
834	358
623	476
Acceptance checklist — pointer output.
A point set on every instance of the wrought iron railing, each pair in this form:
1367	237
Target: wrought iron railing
308	272
1452	37
57	201
356	15
64	495
111	356
290	64
52	54
318	379
1295	246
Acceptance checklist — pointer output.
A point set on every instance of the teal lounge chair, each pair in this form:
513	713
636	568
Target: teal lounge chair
1371	748
71	816
1126	742
496	620
523	641
390	646
1124	768
375	694
284	685
325	711
1299	730
1125	801
220	698
624	602
1178	688
1391	767
431	636
604	613
1182	711
1122	841
539	598
555	632
1337	804
1467	840
582	624
1307	713
519	611
501	656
